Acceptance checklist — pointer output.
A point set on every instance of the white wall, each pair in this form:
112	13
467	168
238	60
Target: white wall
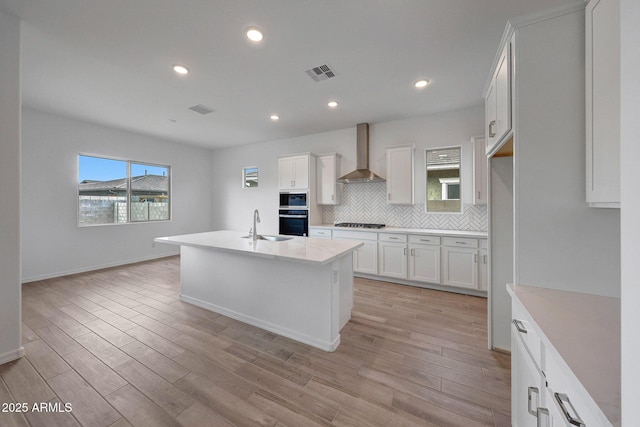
447	129
561	243
630	227
53	244
10	289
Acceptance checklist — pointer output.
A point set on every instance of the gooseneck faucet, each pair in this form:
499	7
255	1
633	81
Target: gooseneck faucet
256	220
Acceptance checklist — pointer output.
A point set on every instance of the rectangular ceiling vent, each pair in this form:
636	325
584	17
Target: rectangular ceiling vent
202	109
320	73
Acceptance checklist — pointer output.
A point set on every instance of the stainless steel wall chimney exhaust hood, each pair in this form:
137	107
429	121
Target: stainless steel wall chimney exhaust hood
362	173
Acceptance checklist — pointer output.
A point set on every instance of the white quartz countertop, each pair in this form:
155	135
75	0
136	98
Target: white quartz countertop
425	231
299	249
585	330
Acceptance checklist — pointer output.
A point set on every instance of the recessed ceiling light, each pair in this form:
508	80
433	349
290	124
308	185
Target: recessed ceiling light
254	34
274	117
332	104
180	69
421	83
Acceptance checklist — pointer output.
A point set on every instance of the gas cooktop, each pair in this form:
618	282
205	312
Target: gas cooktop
359	225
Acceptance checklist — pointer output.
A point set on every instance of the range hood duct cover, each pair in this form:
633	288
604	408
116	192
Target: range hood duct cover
362	173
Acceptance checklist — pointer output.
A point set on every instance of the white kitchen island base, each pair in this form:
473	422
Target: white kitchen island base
301	289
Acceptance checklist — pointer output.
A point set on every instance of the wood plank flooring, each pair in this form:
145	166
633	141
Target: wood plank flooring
119	346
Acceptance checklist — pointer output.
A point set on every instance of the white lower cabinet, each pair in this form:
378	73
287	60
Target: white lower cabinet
392	259
452	261
424	258
460	262
527	390
365	258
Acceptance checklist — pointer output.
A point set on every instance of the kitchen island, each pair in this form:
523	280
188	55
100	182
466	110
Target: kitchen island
301	288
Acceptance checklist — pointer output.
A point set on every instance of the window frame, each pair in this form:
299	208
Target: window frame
128	190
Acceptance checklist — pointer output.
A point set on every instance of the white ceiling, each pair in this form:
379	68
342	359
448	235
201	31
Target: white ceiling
110	62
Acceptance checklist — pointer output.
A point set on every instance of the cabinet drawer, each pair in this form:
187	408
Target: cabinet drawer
461	242
424	240
484	244
389	237
319	232
354	235
526	329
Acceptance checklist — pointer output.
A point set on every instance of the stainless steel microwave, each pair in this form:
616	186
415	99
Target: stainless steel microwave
294	200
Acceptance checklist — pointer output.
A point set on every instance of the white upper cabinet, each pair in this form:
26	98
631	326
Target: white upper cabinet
603	103
479	171
497	104
328	170
400	175
293	172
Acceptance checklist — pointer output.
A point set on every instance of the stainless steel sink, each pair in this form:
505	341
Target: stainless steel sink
270	238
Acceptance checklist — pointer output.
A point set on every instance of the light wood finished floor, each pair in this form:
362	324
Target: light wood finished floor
123	350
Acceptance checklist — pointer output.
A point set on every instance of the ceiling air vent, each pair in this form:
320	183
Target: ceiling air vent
202	109
320	73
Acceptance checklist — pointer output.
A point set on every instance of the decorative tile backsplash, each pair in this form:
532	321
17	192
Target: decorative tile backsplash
366	202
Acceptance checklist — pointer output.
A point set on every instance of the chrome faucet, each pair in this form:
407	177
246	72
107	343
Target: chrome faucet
256	220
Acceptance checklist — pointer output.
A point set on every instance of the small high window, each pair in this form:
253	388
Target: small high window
114	191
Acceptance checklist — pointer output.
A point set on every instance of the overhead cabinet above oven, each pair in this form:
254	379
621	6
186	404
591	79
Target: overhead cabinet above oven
294	171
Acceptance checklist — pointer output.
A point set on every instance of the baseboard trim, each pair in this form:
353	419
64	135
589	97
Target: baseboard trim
98	267
12	355
328	346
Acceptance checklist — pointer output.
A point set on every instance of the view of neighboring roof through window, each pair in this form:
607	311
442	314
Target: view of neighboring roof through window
114	191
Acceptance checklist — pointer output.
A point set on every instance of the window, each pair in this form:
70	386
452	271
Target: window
443	180
114	191
249	177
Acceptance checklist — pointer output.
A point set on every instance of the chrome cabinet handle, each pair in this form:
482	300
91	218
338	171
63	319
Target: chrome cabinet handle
530	392
393	238
475	258
461	243
405	251
492	131
544	420
568	410
484	257
413	252
519	326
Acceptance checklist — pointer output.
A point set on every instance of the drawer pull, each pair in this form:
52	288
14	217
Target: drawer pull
565	404
531	391
393	238
425	240
461	243
519	326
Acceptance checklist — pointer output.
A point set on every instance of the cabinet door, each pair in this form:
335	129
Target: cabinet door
483	271
285	173
503	94
460	267
526	385
365	258
479	171
424	263
301	172
400	176
327	170
603	103
490	117
392	259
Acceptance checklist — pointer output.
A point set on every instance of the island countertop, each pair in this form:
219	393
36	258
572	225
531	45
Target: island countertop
298	249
